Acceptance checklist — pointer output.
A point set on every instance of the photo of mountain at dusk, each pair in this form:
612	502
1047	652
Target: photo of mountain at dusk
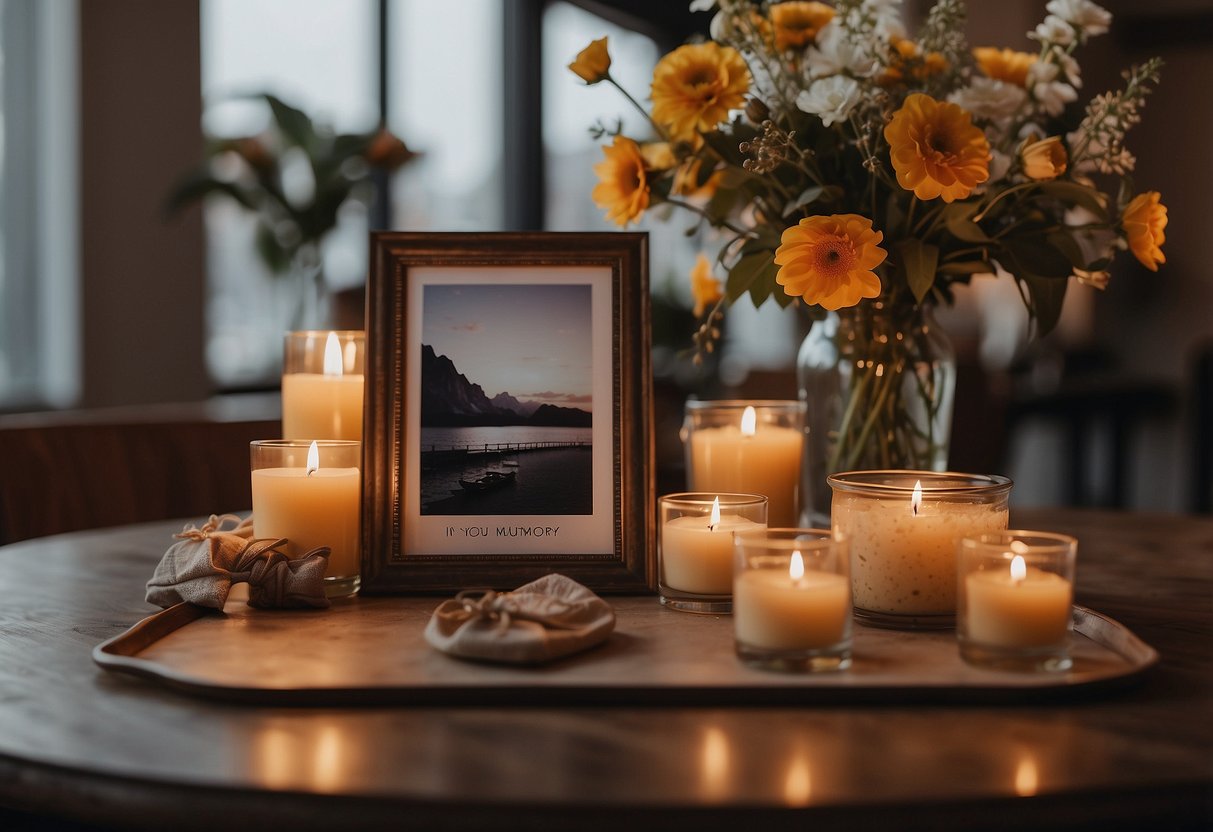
506	402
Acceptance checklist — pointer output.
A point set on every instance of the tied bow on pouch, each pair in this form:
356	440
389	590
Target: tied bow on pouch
546	619
204	564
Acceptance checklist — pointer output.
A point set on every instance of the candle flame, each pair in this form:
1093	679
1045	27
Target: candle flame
1027	779
332	356
916	499
1019	569
796	567
313	459
714	518
749	421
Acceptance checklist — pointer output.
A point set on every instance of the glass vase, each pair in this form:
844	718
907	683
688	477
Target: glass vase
879	381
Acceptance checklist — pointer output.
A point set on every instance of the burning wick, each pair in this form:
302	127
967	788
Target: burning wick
714	519
916	499
313	459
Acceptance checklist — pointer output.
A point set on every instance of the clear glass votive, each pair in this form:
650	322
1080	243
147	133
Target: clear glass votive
310	492
695	547
792	599
1016	591
902	527
747	447
322	384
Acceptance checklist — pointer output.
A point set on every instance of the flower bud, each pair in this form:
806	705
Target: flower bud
756	111
593	63
1044	159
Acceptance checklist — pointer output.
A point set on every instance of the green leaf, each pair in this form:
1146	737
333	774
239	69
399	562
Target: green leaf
293	123
965	267
1032	254
1076	194
918	261
1066	244
807	197
958	217
198	185
749	270
1047	296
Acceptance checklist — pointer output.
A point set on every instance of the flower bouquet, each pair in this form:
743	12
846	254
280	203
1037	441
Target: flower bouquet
867	172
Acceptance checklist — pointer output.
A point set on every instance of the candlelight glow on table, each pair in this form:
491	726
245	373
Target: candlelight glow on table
695	552
1016	593
747	447
310	494
792	599
322	384
902	527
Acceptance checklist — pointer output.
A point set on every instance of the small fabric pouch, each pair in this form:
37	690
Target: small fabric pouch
202	566
546	619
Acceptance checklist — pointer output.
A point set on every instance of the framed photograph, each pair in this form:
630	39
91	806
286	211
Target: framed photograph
507	428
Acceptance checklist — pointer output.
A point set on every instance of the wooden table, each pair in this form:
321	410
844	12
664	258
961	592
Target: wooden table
82	744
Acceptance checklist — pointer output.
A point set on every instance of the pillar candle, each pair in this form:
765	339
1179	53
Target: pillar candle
324	405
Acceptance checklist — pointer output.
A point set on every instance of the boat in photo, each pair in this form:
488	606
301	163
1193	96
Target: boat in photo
489	481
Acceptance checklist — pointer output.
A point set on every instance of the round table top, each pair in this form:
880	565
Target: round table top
78	742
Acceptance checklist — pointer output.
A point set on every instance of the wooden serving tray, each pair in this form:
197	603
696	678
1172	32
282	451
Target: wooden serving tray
372	651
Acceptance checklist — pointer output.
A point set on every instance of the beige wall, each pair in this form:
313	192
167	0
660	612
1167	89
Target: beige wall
141	275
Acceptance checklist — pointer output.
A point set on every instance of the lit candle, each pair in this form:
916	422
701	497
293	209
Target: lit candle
904	550
310	507
752	458
697	551
1017	607
326	405
790	610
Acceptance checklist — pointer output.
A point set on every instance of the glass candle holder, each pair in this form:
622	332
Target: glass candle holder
310	493
903	527
695	547
747	447
792	599
1016	591
322	384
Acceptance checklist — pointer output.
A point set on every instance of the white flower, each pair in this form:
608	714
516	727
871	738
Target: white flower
1070	67
1052	95
835	53
886	18
702	5
1054	30
719	26
1084	15
990	99
831	98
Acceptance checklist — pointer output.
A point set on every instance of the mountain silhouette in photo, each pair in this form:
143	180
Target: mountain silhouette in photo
449	399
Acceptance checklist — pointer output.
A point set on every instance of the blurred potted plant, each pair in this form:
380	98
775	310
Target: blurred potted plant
294	177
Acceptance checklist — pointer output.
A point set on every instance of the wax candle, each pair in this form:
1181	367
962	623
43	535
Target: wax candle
794	609
749	455
310	506
328	404
1017	607
903	542
697	551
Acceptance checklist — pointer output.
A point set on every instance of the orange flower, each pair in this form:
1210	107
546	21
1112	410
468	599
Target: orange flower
686	179
797	23
695	86
593	63
623	188
1143	221
909	57
1004	64
1043	158
935	149
386	150
829	260
657	156
705	288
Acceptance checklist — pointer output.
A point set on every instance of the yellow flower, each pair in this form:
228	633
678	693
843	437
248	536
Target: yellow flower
1004	64
686	179
704	288
1144	220
797	23
623	188
695	86
657	155
593	63
1043	158
935	149
908	55
829	260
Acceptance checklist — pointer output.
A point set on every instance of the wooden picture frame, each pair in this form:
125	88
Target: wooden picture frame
566	313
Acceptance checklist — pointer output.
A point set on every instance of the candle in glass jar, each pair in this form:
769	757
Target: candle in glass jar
325	405
697	551
1017	607
752	458
310	507
904	551
791	609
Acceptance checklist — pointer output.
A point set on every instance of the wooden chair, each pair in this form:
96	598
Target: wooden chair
61	472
